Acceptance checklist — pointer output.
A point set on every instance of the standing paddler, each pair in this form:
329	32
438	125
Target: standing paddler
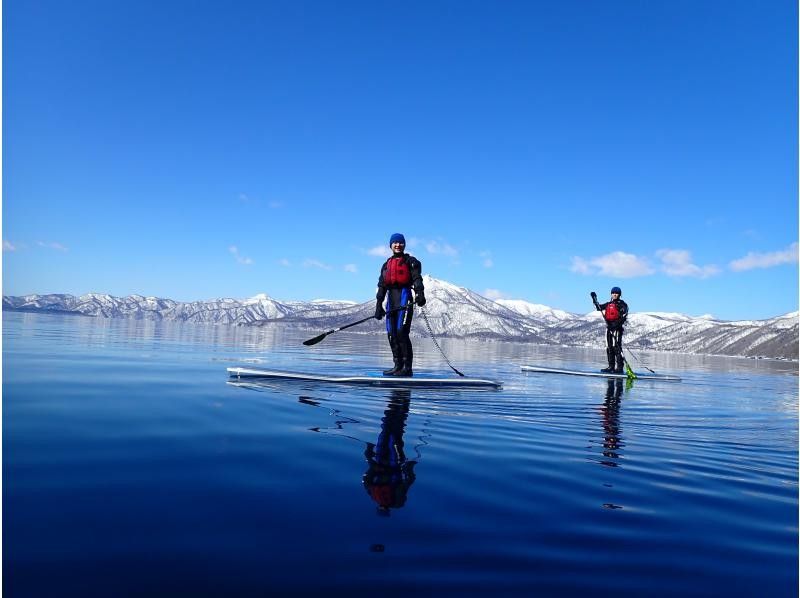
399	275
615	313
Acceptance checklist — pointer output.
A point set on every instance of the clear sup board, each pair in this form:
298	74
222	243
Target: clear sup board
543	370
375	380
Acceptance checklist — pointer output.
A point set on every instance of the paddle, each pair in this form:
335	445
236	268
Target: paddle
628	370
316	339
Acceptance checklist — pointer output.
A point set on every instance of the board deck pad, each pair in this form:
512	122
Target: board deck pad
597	374
376	380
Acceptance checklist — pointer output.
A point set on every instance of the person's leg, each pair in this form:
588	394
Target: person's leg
408	356
618	357
396	356
610	357
392	322
404	335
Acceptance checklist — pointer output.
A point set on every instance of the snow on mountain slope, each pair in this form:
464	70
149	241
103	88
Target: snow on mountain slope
452	311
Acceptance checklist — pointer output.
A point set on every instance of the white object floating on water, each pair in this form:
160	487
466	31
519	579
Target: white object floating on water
543	370
418	380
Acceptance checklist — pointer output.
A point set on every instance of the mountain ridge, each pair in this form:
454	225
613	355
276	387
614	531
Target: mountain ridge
452	311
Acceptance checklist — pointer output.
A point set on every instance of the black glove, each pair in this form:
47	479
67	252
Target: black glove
594	296
420	300
379	311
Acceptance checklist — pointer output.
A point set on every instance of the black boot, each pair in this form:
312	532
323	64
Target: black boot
398	365
611	358
408	359
620	369
398	359
407	371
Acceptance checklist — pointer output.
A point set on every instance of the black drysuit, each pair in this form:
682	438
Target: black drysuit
398	324
614	330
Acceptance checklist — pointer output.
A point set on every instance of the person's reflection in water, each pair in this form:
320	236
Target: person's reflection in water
390	474
612	442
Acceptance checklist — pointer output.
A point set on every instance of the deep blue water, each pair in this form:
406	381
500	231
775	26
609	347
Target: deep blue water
131	466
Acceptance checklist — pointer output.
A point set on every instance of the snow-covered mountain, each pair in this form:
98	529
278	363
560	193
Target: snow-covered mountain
536	310
452	311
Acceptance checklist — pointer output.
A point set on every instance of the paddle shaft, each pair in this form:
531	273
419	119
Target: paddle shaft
316	339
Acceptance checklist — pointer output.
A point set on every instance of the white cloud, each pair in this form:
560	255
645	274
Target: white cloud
351	268
436	248
380	251
52	245
678	262
765	260
617	264
580	265
9	246
275	205
487	259
493	294
239	258
285	263
309	263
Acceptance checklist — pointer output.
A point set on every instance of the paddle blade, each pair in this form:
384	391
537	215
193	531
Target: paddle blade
631	375
316	339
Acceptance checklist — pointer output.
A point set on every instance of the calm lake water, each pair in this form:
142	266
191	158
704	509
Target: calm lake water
133	466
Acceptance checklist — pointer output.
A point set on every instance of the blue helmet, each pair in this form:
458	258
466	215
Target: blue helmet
616	290
397	238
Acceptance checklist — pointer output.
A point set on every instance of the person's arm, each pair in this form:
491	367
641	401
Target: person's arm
415	266
380	296
623	310
594	300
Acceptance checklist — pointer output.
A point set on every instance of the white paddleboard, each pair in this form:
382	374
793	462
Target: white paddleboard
419	380
542	370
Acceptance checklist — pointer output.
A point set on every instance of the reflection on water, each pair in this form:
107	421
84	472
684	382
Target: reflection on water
278	341
612	439
390	473
129	463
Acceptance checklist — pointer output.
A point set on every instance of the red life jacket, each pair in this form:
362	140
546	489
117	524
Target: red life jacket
397	272
382	494
612	312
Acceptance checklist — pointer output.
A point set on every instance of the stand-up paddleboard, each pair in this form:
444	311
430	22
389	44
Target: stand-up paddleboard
415	381
534	368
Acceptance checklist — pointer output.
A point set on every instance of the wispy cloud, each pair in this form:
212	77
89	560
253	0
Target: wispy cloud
309	263
254	201
352	268
617	264
487	260
51	245
765	260
678	262
285	263
239	257
437	248
493	294
380	251
9	246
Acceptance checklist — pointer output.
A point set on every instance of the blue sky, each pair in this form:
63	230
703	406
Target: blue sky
527	150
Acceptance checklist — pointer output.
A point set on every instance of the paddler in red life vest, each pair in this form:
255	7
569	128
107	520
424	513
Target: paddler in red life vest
399	275
615	312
